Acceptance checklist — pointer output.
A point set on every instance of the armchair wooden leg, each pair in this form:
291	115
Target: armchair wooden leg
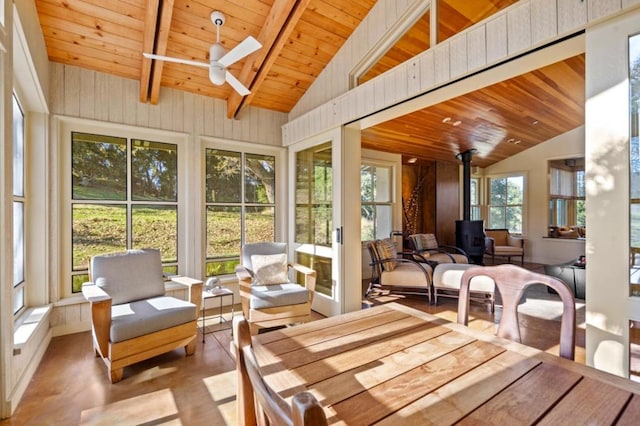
190	347
116	375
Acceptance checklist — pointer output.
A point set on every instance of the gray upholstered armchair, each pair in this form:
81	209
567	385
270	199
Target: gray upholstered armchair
269	296
131	318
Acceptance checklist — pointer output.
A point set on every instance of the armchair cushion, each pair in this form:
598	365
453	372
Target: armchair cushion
272	296
269	269
425	242
407	274
387	250
141	317
129	276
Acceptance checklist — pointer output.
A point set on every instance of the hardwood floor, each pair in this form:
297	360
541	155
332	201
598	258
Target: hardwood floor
71	385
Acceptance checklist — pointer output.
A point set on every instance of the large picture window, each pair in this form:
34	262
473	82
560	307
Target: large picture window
239	205
567	194
376	198
506	203
18	208
124	195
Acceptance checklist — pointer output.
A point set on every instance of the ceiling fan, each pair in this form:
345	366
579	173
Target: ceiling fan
219	58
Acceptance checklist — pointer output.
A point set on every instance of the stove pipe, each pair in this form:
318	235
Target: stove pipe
465	157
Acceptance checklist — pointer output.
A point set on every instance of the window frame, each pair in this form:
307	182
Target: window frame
523	206
66	126
553	200
20	287
390	202
244	148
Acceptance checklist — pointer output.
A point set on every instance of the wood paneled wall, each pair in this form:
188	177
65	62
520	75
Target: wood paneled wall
77	92
438	203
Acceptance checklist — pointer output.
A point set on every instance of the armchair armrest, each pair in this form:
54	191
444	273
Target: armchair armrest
195	290
309	277
243	275
100	303
94	294
515	241
489	244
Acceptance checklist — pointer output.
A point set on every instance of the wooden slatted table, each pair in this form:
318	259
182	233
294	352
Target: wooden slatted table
394	365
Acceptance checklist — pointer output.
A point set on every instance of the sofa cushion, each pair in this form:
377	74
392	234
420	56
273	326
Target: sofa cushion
129	276
269	269
274	295
448	276
129	320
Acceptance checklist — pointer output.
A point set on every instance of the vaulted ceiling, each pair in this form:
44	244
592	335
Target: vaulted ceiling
299	38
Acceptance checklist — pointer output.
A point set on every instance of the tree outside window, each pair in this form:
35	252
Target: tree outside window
124	195
506	203
240	205
375	190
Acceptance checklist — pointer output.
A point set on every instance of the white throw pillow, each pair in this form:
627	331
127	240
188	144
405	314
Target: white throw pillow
270	269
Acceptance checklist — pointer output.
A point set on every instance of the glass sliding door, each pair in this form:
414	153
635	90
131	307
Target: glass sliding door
314	213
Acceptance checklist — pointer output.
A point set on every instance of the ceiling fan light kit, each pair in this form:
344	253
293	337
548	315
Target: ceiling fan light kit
219	58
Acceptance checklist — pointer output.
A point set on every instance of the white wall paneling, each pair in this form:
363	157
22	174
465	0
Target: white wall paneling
544	20
87	94
458	55
476	48
519	27
572	15
497	38
600	8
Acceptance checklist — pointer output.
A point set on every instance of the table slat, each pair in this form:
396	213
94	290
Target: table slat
336	331
389	396
589	402
327	367
461	396
324	349
527	399
631	413
311	326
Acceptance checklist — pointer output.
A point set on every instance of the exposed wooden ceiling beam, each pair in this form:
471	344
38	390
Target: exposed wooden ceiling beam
164	23
150	21
282	19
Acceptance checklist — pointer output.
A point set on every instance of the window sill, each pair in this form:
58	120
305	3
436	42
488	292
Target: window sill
27	325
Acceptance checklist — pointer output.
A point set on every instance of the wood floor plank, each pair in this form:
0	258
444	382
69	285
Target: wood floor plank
589	402
527	399
458	398
408	386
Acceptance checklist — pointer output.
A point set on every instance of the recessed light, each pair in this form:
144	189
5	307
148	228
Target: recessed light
412	160
517	142
535	122
512	140
446	119
457	123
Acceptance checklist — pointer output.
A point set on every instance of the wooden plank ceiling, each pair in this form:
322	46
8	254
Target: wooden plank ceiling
299	38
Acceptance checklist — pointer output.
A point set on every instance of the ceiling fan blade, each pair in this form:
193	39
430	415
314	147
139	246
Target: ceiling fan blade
246	47
177	60
235	83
